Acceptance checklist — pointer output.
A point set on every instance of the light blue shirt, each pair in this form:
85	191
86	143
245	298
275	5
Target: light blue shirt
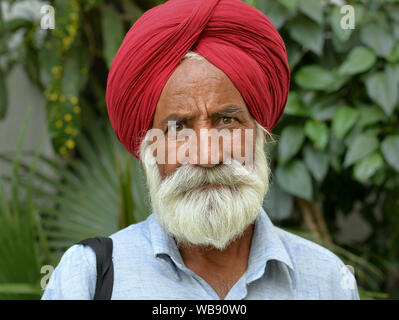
148	265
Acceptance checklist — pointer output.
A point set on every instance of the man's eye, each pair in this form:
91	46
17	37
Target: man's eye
227	120
175	127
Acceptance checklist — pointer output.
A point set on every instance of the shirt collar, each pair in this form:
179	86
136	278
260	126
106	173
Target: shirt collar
164	245
266	245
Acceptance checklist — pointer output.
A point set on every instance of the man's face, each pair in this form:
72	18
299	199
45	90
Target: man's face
205	203
200	96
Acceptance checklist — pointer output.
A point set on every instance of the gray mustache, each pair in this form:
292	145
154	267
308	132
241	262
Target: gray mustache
189	177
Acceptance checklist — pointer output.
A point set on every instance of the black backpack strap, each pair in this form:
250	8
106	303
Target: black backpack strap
105	267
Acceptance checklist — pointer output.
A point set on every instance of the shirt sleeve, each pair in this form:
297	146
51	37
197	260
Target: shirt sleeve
75	276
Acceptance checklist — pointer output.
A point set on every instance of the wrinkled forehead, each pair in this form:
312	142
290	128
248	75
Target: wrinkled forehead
196	83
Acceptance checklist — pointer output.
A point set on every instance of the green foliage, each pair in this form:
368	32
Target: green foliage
23	249
338	140
340	122
97	195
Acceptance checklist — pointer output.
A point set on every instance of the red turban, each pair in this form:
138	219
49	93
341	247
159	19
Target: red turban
231	34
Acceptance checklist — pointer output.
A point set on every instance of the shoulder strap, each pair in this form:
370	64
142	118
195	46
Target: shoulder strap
105	267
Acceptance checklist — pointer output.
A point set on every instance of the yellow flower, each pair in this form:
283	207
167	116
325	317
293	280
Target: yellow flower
72	30
69	130
63	151
76	109
66	41
56	70
73	100
70	143
73	16
59	124
67	117
53	96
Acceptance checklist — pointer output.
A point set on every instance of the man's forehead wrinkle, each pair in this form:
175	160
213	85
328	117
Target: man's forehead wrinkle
200	92
191	86
197	75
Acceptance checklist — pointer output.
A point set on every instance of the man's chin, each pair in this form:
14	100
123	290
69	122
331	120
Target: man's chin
208	227
209	244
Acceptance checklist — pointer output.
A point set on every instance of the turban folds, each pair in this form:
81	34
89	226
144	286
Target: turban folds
234	36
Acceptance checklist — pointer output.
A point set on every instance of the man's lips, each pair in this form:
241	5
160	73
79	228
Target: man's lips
208	185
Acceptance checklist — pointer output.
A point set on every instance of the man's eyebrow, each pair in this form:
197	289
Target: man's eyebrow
230	110
174	117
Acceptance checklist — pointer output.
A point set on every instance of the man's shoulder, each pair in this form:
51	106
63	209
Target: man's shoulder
309	256
132	241
134	232
318	269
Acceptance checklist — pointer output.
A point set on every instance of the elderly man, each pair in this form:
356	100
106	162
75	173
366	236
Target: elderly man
188	67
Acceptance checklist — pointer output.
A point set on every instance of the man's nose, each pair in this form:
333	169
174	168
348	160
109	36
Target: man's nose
210	149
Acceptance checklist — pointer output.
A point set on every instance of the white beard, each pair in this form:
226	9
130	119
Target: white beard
214	216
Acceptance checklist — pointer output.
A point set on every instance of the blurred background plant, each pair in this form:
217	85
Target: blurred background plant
335	167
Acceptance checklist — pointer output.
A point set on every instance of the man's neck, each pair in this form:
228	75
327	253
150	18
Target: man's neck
220	268
238	249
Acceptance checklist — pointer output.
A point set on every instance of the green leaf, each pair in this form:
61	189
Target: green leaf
278	204
291	141
314	77
13	25
49	58
335	22
307	33
335	146
377	37
383	91
1	24
360	147
313	9
294	53
294	105
3	95
390	150
360	59
394	55
276	12
317	132
295	178
369	114
392	71
73	78
367	166
336	163
19	288
133	10
323	106
289	4
113	33
343	120
317	162
87	5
